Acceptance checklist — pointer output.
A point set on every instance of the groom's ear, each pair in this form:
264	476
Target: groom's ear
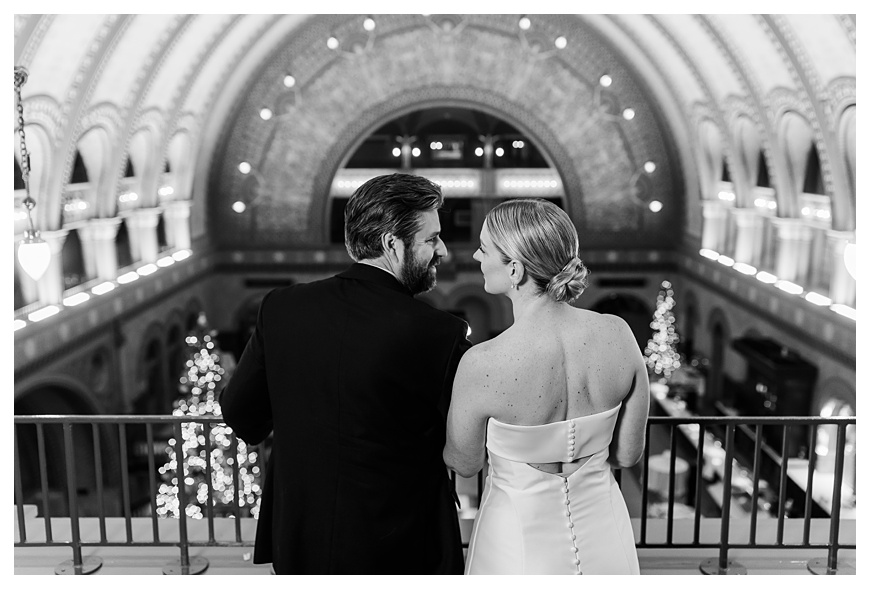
389	244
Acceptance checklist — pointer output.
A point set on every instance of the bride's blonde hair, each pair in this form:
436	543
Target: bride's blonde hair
541	236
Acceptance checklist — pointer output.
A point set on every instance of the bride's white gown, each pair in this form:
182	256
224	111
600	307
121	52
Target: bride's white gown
534	522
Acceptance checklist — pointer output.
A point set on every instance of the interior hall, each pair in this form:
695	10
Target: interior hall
172	169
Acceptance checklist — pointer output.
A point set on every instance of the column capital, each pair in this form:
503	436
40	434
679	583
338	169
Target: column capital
791	228
713	208
177	209
104	229
747	216
55	239
143	218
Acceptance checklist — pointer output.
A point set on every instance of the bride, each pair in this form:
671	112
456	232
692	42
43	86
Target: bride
555	401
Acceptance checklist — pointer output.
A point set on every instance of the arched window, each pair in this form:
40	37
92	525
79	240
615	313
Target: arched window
73	261
122	246
79	171
19	177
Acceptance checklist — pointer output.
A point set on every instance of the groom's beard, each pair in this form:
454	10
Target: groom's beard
419	277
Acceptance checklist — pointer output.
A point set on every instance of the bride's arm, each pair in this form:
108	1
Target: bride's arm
466	420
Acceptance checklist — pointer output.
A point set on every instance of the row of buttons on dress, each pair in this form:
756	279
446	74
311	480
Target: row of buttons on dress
568	502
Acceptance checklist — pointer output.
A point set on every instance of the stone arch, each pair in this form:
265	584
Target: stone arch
153	396
843	209
796	143
432	96
720	340
181	162
341	94
711	158
55	396
748	148
95	145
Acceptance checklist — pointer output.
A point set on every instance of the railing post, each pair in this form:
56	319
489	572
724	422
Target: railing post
722	566
819	566
78	565
185	565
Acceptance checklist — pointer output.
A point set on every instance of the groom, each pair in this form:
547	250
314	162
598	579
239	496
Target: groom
352	375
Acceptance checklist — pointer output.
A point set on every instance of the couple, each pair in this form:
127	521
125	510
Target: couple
369	392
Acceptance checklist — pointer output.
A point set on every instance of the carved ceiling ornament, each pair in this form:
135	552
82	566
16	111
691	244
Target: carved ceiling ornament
342	93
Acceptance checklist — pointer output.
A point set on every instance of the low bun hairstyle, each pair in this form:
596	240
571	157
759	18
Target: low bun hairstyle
541	236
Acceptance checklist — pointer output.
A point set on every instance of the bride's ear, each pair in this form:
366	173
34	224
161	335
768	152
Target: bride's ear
516	271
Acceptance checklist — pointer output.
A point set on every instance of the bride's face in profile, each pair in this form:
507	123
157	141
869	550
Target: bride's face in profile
496	278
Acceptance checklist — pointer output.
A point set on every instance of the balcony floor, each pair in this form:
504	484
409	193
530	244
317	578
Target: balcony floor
236	560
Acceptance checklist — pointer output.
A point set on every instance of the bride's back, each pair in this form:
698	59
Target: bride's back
559	365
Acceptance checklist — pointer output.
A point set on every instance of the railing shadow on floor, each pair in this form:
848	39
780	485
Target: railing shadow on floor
67	469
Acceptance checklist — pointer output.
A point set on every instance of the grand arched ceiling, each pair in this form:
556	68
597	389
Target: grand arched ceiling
176	88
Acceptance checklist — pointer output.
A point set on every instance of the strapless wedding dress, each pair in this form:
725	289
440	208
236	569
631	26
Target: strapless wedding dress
533	522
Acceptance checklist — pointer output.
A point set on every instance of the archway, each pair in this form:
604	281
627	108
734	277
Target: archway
42	451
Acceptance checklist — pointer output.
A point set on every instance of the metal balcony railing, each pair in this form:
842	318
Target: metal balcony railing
103	468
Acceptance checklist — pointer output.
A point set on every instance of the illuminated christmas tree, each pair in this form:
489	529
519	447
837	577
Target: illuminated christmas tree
661	350
199	386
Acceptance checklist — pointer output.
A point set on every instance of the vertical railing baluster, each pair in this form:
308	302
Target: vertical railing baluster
19	492
808	502
182	498
644	495
671	483
72	495
43	479
722	566
699	470
209	504
756	477
783	486
152	480
98	473
125	481
834	540
78	565
236	490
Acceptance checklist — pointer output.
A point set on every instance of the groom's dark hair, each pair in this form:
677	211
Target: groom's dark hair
387	204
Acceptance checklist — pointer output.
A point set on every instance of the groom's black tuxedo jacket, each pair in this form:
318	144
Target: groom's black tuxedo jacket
353	377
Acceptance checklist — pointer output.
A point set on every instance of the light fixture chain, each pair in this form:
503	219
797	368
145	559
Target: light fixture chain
29	203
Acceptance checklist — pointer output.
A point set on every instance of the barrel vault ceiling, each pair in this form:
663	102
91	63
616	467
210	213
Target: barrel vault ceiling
190	74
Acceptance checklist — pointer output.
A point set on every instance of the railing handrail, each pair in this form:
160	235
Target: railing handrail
700	420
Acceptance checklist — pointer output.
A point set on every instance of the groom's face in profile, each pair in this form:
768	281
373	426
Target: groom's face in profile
423	254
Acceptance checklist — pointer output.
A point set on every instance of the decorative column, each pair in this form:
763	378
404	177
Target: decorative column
98	247
715	229
748	236
142	228
841	284
175	219
793	240
50	286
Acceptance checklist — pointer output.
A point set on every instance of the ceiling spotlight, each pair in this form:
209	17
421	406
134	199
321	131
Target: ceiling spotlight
605	80
239	206
628	114
499	151
478	151
561	42
397	152
415	152
525	23
369	24
655	206
245	168
332	43
289	81
265	114
649	167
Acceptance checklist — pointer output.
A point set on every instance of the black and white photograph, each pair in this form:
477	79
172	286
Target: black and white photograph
393	294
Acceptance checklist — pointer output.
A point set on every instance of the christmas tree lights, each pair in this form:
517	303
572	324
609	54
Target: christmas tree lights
661	352
198	387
